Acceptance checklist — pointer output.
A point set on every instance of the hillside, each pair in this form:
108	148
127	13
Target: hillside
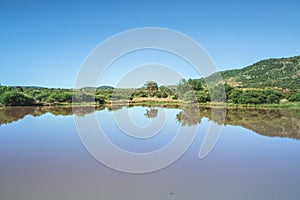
280	72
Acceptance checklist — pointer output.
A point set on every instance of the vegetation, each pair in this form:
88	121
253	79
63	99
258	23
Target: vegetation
186	90
21	96
271	81
255	96
275	73
295	97
12	98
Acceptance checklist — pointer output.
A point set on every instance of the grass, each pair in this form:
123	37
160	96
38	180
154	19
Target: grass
172	102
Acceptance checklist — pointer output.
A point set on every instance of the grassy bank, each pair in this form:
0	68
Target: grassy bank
168	102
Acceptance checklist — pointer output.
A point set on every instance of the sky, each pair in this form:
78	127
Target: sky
44	43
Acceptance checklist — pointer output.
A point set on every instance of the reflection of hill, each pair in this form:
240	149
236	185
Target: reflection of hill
268	122
280	123
12	114
8	115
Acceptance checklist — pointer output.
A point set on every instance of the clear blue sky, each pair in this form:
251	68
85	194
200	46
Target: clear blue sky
44	42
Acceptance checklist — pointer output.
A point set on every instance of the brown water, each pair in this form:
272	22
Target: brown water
256	156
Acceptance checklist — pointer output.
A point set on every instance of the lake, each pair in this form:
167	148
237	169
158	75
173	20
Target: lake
255	156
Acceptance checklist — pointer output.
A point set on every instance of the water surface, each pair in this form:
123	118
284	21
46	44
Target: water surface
256	157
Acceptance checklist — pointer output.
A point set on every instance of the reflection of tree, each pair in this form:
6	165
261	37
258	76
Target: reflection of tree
151	113
268	122
8	115
189	116
82	111
114	107
12	114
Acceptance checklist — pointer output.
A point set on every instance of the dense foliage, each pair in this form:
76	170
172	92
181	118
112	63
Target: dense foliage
12	98
187	90
280	73
267	82
255	96
229	94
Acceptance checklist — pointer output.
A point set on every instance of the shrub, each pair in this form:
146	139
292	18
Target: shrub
202	97
294	97
11	98
190	96
100	99
60	97
164	95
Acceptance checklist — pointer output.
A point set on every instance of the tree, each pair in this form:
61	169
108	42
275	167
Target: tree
228	90
100	99
196	84
165	89
295	97
60	97
273	96
41	97
164	95
218	93
83	97
253	97
12	98
19	89
140	93
235	96
183	87
190	96
5	89
151	86
202	97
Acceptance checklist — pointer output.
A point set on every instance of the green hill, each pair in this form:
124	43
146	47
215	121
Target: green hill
280	72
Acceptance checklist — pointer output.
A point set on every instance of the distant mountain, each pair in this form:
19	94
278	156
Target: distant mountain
105	87
31	87
88	88
279	72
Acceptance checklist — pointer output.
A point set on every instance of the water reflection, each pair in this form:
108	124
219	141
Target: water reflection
43	157
268	122
189	116
151	113
12	114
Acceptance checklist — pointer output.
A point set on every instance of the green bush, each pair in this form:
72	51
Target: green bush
175	97
59	97
165	89
83	97
218	93
100	99
235	96
158	95
196	84
42	97
164	95
5	89
202	97
12	98
255	96
140	93
294	97
190	96
273	96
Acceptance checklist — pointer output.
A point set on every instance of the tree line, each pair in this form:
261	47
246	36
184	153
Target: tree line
191	90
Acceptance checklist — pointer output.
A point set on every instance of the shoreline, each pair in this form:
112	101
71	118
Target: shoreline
165	103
